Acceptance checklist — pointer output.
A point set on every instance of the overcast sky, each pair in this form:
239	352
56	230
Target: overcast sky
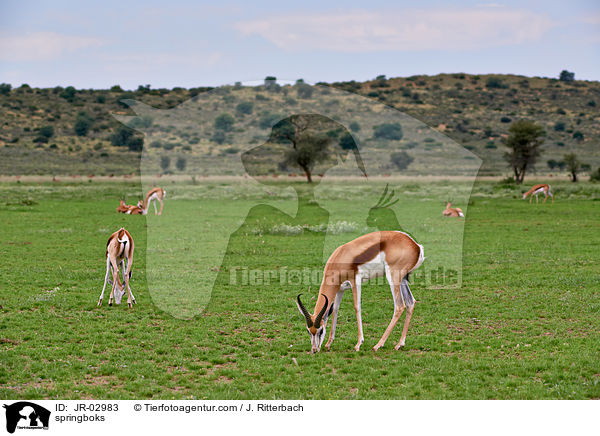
185	43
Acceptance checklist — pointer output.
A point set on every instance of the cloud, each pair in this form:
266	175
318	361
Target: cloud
42	46
400	30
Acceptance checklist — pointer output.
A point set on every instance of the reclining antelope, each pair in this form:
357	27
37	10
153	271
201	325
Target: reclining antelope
130	209
453	211
538	189
119	249
391	253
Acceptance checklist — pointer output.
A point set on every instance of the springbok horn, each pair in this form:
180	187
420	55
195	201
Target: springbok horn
309	322
321	313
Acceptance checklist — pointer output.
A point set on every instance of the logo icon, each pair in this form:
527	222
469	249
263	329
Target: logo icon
26	415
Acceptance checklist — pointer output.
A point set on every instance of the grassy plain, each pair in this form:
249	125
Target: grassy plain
525	324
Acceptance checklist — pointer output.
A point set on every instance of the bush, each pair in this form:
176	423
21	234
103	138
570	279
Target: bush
401	159
68	94
566	76
5	88
347	142
224	122
354	126
268	120
181	163
82	124
559	126
165	161
505	120
125	137
578	136
245	108
218	137
595	176
304	90
46	131
495	83
391	131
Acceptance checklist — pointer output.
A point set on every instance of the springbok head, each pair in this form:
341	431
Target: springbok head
314	324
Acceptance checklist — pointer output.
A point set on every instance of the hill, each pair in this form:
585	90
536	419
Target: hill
69	131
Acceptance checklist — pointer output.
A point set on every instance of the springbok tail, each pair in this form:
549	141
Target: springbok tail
407	296
460	214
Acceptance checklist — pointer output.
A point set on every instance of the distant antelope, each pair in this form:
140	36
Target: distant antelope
126	208
119	249
392	253
153	195
456	211
538	189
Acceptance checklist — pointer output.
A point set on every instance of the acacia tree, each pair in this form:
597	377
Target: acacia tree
524	144
573	165
307	135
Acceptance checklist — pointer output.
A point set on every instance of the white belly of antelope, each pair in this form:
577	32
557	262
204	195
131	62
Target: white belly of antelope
373	268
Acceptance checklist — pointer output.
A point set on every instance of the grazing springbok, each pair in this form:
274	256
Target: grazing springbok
154	195
119	249
453	211
391	253
538	189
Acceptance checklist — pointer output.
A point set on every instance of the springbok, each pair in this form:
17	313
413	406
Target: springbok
453	211
154	195
127	209
119	249
538	189
391	253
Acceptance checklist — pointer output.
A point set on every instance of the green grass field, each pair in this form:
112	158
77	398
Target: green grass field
525	324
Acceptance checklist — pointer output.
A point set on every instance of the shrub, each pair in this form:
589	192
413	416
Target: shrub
224	122
401	159
268	120
559	126
505	120
46	131
82	124
391	131
304	90
347	142
5	88
125	137
181	163
578	136
495	83
244	108
68	94
566	76
165	161
595	176
354	126
218	137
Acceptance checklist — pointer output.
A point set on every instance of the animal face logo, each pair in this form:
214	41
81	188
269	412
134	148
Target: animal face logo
302	159
26	415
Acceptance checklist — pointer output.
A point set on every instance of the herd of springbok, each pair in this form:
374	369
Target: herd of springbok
119	250
393	254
